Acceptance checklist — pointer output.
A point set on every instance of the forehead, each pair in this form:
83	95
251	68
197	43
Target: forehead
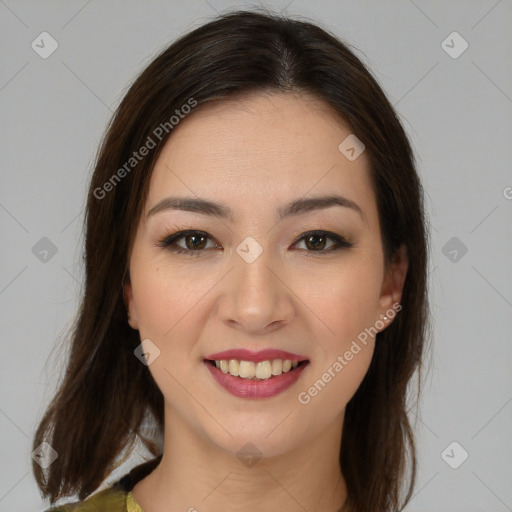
260	150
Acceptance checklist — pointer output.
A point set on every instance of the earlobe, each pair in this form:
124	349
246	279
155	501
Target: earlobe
394	280
130	305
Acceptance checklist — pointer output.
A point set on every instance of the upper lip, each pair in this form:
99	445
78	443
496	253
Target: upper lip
262	355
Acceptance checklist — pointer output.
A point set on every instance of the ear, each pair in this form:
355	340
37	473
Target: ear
130	304
394	279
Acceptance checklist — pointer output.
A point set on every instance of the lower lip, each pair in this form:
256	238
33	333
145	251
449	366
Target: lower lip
252	389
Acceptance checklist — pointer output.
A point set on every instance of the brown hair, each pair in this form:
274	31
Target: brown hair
106	393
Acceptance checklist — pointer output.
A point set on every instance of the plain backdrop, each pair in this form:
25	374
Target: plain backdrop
445	65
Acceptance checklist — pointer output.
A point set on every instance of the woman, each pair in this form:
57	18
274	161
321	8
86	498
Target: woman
255	286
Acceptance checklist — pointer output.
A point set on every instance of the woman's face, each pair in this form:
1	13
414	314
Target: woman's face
253	279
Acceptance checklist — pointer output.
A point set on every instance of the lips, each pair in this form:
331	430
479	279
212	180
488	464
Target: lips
265	386
256	357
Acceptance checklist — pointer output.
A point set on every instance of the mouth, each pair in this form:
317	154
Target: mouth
256	380
256	371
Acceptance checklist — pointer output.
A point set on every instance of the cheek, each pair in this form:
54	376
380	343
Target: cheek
168	305
326	393
347	307
345	301
165	298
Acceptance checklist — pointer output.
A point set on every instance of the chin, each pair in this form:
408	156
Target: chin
268	436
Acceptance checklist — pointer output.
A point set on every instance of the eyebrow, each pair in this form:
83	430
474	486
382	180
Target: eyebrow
296	207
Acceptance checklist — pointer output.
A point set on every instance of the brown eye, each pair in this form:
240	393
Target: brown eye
315	242
194	241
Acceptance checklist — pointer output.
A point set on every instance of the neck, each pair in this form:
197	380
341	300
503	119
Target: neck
195	475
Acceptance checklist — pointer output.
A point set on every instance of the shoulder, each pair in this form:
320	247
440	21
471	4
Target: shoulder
108	500
113	498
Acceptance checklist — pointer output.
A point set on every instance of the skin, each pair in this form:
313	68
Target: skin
253	155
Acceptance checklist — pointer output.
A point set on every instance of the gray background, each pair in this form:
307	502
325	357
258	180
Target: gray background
457	112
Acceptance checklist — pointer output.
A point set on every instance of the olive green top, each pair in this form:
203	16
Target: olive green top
116	498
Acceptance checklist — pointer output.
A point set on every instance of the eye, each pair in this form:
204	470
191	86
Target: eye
195	242
315	242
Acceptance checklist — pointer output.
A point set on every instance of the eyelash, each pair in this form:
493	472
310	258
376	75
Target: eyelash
168	241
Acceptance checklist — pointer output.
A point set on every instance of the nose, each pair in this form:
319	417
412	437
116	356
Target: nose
255	297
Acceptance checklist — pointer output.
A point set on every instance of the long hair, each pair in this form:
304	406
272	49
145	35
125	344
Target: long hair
106	394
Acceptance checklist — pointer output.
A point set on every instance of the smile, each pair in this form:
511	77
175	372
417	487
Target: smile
247	379
262	370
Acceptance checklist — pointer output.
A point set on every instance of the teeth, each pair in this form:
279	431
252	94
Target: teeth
262	370
234	367
277	367
247	369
